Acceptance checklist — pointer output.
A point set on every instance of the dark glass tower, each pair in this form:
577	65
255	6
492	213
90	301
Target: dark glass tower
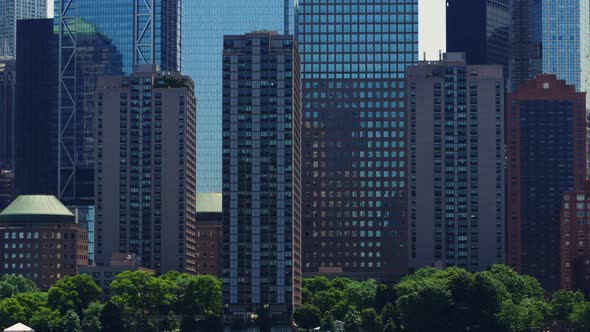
205	24
354	56
261	177
102	38
481	29
546	139
35	124
7	105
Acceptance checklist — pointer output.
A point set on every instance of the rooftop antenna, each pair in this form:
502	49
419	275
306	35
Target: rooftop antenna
440	57
424	56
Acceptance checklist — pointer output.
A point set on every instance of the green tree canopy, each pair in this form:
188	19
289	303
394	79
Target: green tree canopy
11	312
307	316
91	318
11	285
73	293
563	302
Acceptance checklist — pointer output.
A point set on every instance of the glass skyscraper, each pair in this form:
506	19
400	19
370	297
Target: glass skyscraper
205	24
12	11
551	36
102	38
354	56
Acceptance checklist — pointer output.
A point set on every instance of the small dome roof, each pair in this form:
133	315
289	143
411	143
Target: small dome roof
36	208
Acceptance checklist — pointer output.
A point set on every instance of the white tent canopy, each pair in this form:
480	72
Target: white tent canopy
19	327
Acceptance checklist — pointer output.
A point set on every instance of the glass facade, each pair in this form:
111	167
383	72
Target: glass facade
481	29
542	32
205	24
7	111
10	12
354	56
102	38
261	176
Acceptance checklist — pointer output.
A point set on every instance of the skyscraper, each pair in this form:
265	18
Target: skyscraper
145	175
261	177
35	118
103	38
481	29
456	171
12	11
546	140
205	24
354	56
541	31
7	105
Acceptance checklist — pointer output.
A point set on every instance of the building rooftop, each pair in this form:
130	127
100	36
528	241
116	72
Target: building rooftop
41	207
209	202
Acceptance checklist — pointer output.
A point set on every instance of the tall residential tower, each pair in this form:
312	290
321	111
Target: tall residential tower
205	24
145	174
456	170
12	11
261	177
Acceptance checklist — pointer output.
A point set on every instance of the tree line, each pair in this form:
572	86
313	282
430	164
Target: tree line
431	299
139	301
451	299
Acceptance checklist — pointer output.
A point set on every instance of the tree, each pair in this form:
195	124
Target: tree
527	315
307	316
46	320
388	313
385	294
91	318
171	323
317	284
580	315
11	285
73	293
200	295
11	312
370	321
327	322
340	310
563	302
71	322
325	300
31	302
111	318
139	294
352	321
389	327
362	294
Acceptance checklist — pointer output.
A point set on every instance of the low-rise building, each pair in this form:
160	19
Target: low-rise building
41	240
209	231
120	262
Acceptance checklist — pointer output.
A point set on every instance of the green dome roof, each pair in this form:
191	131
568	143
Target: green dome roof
36	208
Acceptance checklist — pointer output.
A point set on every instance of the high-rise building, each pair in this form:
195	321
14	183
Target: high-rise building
102	38
575	248
7	192
205	24
10	12
145	170
354	57
261	177
481	29
35	121
546	140
209	238
41	240
540	32
455	132
7	105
